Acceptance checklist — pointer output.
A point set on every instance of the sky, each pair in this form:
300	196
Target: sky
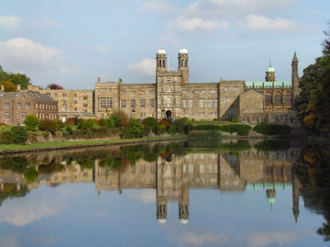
73	42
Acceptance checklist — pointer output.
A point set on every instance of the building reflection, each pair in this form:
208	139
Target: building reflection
172	176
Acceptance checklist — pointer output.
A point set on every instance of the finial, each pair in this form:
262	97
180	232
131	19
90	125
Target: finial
270	62
182	47
161	47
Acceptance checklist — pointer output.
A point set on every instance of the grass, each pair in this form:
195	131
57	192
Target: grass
94	142
210	122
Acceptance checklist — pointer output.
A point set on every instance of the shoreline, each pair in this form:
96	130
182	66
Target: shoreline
37	147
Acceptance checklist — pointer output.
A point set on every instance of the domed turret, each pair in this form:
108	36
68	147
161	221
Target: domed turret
270	73
161	50
183	50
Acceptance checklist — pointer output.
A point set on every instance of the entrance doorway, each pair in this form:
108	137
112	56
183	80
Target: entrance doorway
169	114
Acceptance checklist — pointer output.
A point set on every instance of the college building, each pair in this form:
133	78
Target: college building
173	96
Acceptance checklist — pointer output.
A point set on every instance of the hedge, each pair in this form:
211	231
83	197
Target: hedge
272	129
240	129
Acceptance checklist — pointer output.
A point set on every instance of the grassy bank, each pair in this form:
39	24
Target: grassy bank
15	148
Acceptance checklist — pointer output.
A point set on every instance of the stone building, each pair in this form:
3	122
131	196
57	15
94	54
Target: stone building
15	106
71	103
173	96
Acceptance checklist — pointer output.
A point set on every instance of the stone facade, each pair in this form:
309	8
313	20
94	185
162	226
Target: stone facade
172	96
15	106
71	103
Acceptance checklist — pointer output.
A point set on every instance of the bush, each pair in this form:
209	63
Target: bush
153	123
272	129
102	122
31	122
120	115
72	121
234	120
134	130
90	123
20	134
109	123
69	129
165	123
240	129
31	174
60	124
188	128
47	125
6	137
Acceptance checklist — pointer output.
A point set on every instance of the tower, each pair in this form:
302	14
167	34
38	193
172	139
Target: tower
270	73
161	60
183	64
295	78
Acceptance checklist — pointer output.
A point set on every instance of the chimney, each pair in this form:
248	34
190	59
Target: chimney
18	87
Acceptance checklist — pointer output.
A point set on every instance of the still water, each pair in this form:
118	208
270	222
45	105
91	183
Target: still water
183	193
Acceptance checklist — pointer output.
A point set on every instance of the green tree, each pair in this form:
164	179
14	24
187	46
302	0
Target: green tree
31	174
20	134
31	122
8	86
21	79
47	125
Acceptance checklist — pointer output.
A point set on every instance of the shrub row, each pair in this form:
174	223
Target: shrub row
272	129
240	129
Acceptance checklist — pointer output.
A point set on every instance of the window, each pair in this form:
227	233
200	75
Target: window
245	119
168	89
75	102
185	91
278	98
226	88
268	99
142	103
102	89
227	97
132	92
123	103
142	115
196	91
235	88
75	95
56	94
7	106
213	91
63	94
27	105
288	99
142	92
201	114
213	103
191	168
132	169
105	102
143	168
75	109
212	114
37	106
168	79
201	103
203	91
23	115
184	103
85	105
133	103
123	91
85	98
7	116
64	105
190	103
152	91
19	105
201	168
152	103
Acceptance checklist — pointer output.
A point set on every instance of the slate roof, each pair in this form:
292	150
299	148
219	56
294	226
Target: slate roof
33	95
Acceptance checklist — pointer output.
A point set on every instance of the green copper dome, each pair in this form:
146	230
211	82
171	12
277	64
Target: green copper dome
270	69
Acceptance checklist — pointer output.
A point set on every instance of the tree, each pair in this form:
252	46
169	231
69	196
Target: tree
21	79
322	103
47	125
31	122
8	86
20	134
54	86
31	174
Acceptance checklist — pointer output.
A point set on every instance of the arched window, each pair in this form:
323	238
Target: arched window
288	99
268	99
278	98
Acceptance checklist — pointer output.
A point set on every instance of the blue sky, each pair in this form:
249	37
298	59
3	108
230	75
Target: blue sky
73	42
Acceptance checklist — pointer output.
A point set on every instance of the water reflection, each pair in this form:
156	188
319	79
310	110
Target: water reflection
173	169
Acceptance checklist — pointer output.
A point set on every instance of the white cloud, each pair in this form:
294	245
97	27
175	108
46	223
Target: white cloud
100	49
195	24
158	7
146	67
10	22
10	241
260	239
42	23
262	23
147	196
21	214
26	56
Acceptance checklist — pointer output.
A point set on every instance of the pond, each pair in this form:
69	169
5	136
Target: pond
182	193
